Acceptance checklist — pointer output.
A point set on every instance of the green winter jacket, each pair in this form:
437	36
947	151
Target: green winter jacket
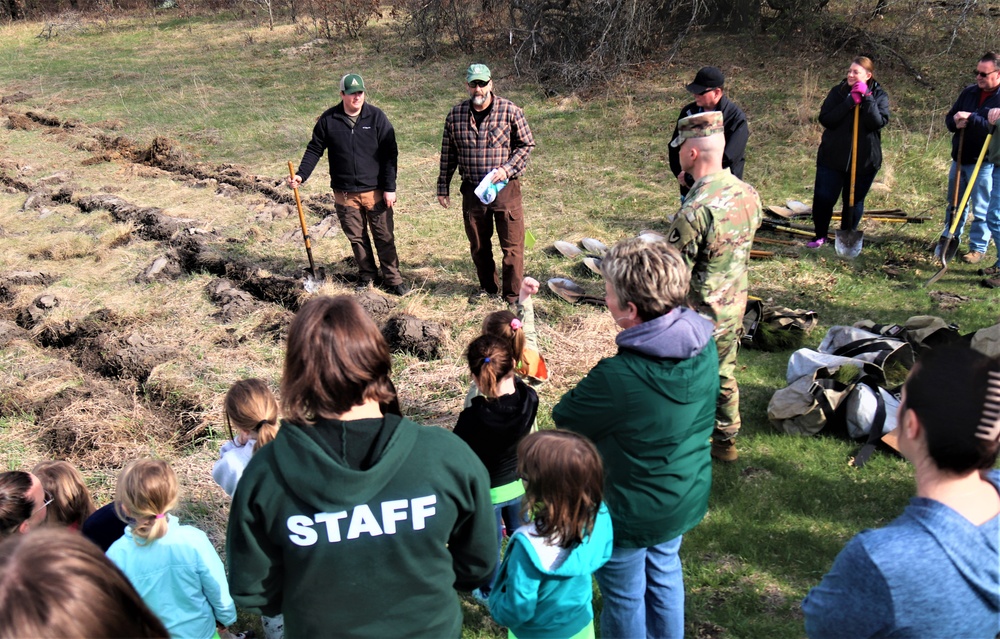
650	410
361	553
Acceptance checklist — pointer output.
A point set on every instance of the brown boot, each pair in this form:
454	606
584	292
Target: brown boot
724	450
973	257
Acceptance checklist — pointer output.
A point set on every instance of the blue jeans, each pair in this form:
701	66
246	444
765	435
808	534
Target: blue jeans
832	185
979	203
643	592
508	514
993	210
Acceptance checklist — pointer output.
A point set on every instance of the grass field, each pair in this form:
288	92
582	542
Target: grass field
229	93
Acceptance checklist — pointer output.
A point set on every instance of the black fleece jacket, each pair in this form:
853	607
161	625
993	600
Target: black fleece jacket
837	117
493	428
976	128
734	124
362	157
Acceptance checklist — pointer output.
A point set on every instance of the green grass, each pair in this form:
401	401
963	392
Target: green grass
230	93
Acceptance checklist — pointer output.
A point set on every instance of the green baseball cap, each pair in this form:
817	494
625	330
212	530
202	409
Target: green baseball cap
352	83
479	72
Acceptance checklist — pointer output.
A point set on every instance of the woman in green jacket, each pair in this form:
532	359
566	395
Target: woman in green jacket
650	410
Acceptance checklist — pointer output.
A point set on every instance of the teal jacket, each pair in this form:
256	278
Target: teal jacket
650	410
351	552
545	592
180	577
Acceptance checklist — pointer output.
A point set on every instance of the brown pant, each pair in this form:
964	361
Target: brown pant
508	214
357	213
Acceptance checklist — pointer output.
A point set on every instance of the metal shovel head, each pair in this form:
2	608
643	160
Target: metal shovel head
566	289
849	243
594	246
650	236
798	207
567	249
594	264
946	248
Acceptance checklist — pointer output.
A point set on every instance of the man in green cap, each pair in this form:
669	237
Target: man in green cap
363	155
488	135
714	231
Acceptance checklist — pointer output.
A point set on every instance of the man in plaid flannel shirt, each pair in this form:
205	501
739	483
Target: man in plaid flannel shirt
484	133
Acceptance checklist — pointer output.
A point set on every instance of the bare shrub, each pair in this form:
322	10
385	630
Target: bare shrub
348	17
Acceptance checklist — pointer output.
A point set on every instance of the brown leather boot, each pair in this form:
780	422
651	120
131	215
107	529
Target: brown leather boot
724	450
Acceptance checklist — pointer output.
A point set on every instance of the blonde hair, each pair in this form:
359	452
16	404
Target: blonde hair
146	492
71	500
250	406
651	275
501	324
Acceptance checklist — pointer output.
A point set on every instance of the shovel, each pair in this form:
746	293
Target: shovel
849	243
573	292
947	251
312	283
943	240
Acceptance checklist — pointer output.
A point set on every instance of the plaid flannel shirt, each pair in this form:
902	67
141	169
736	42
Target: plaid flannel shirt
503	140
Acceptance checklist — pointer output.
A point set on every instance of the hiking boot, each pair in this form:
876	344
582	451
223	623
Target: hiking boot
363	285
993	283
724	450
973	257
990	270
400	289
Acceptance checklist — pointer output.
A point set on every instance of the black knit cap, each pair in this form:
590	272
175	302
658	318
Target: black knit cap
707	78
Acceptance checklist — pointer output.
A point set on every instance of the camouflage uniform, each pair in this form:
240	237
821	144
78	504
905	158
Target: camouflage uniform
714	230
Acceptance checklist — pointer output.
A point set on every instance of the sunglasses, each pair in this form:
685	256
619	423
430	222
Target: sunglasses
980	74
478	84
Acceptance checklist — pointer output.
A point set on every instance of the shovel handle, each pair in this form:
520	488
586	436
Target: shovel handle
958	213
854	156
302	219
958	165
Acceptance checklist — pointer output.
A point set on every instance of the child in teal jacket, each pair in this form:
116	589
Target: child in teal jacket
544	589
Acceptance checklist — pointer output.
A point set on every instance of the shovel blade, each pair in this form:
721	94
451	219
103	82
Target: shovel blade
945	247
849	243
566	289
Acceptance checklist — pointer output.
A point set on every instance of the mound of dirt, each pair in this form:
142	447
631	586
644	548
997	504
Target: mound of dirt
414	335
20	96
164	268
33	315
18	122
234	303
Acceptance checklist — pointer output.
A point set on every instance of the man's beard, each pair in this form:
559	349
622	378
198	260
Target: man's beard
480	100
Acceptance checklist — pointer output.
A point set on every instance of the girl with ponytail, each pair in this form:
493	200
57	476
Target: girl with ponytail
174	568
493	425
251	415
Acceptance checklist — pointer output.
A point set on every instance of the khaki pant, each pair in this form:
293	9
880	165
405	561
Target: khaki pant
357	213
508	214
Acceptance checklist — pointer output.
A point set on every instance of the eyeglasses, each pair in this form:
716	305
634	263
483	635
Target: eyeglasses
980	74
479	83
48	500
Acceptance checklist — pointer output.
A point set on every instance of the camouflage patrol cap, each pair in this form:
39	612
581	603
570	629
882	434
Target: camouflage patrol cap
699	125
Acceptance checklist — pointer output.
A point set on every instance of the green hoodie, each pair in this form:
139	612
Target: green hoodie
361	552
650	411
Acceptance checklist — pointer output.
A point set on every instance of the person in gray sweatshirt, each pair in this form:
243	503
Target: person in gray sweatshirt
935	570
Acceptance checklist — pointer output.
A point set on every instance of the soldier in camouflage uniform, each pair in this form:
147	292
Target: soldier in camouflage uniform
714	230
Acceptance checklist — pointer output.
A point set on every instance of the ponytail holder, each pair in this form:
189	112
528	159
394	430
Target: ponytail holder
486	360
261	423
161	515
515	324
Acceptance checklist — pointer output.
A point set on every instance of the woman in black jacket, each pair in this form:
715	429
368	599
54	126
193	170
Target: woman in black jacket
833	161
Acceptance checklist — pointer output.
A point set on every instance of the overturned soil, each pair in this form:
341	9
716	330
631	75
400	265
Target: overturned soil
122	321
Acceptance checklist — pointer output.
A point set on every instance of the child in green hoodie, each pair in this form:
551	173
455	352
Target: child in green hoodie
545	588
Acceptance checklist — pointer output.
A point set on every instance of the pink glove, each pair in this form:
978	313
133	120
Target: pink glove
857	91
